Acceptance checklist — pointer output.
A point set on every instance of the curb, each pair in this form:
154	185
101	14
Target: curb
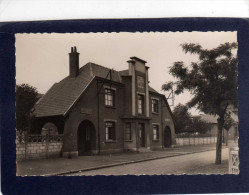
122	163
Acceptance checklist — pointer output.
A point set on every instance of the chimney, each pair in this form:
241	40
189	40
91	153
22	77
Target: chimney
131	67
73	63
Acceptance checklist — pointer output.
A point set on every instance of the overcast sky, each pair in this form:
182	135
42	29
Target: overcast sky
42	59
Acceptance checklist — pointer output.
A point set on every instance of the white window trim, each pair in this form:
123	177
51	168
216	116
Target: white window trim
158	105
140	93
111	120
128	140
158	124
114	121
108	87
154	98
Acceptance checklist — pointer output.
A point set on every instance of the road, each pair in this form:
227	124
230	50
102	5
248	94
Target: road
173	165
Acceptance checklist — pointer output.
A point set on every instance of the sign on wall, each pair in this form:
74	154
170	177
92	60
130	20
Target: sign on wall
86	111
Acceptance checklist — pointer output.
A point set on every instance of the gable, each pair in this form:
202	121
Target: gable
62	95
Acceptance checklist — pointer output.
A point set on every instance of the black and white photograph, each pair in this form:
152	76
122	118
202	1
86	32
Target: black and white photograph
144	103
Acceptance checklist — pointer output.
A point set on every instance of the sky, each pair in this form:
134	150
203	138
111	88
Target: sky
42	59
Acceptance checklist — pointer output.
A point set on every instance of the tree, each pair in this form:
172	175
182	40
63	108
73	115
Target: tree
212	81
228	124
200	126
182	118
26	97
184	122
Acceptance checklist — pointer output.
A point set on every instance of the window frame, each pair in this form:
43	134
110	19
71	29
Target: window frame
153	105
107	131
112	94
155	132
130	132
142	104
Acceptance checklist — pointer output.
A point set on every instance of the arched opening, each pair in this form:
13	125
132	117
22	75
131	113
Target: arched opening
167	137
86	138
49	128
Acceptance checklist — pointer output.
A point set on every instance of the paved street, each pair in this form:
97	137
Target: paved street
173	161
188	164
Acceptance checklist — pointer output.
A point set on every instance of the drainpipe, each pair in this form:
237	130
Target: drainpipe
162	122
98	120
98	92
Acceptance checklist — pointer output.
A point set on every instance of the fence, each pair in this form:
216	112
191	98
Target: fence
233	160
187	140
37	146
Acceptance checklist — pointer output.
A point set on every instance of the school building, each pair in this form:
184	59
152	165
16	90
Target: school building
99	110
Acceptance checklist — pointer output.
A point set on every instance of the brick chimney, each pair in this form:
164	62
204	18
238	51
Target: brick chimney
73	63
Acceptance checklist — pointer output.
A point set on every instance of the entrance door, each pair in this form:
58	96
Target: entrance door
141	134
86	138
167	137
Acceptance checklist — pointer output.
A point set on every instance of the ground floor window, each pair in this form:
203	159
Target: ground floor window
155	132
110	130
128	135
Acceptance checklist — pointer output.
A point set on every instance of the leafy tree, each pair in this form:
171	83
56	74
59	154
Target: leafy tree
200	126
184	122
182	118
212	81
26	97
228	124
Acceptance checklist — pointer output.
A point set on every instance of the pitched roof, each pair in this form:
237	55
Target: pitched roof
209	118
61	96
213	119
153	90
124	73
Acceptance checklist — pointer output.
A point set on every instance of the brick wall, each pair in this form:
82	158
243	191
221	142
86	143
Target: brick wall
38	146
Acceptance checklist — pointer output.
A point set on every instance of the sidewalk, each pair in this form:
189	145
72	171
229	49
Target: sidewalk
60	166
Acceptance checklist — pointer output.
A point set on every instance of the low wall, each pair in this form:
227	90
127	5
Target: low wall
38	146
186	141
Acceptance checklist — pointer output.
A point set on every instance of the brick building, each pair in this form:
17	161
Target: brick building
100	110
231	134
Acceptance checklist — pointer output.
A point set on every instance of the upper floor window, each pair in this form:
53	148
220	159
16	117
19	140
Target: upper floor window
154	105
155	132
110	130
140	104
140	82
109	97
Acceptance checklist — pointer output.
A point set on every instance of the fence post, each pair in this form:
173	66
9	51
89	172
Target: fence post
229	161
26	144
47	144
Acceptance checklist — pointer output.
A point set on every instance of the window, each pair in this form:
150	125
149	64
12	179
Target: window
109	97
140	82
154	106
128	131
110	130
155	132
140	104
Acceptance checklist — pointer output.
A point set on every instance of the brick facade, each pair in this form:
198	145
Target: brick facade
93	127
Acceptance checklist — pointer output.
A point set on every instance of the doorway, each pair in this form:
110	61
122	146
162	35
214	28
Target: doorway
167	137
141	134
86	138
